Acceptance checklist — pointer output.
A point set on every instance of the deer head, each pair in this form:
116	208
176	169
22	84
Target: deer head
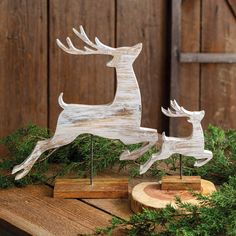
120	55
178	111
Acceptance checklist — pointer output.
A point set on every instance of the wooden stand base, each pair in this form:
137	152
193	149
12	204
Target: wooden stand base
81	188
184	183
151	195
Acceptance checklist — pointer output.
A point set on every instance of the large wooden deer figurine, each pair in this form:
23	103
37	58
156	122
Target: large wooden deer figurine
190	146
119	120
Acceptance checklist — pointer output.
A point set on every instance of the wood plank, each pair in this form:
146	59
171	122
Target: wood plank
144	21
187	89
23	64
232	6
175	50
84	80
218	83
117	207
208	58
33	210
101	188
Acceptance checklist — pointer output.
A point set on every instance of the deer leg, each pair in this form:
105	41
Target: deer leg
127	155
40	148
162	154
203	159
143	168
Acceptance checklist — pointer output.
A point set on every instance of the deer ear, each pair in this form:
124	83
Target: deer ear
138	46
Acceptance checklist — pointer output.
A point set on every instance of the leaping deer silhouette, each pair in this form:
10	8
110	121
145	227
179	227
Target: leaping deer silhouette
120	119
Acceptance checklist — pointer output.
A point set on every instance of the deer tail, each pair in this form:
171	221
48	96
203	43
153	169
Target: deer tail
61	102
164	136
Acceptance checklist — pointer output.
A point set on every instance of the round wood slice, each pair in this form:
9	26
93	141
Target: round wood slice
149	195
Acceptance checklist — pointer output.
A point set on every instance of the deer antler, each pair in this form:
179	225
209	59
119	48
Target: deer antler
177	110
98	45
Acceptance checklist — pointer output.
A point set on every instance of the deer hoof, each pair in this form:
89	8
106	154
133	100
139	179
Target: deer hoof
142	170
125	155
22	172
201	162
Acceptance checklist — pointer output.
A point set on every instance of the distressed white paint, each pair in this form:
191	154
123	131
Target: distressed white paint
119	120
189	146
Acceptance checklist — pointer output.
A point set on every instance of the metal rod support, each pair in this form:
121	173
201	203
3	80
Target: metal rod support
91	163
180	167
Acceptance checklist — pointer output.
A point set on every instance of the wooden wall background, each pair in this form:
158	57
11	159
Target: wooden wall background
33	70
208	26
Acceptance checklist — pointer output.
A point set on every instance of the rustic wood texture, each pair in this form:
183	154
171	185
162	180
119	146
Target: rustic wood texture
120	119
186	89
23	64
145	21
184	183
192	145
101	188
218	84
175	50
84	80
33	210
208	27
232	6
149	195
117	207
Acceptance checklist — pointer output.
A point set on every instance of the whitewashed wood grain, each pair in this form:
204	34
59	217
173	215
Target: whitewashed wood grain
119	120
189	146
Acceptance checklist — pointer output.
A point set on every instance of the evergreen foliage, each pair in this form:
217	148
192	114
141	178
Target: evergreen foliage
223	164
214	216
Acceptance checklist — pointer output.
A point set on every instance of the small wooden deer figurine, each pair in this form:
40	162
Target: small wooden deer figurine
190	146
119	120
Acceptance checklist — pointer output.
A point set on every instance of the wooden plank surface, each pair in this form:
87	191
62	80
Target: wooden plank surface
218	83
232	6
83	79
33	210
117	207
176	12
189	82
23	71
144	21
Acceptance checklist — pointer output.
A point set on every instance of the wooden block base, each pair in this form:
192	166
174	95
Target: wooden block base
150	195
184	183
81	188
